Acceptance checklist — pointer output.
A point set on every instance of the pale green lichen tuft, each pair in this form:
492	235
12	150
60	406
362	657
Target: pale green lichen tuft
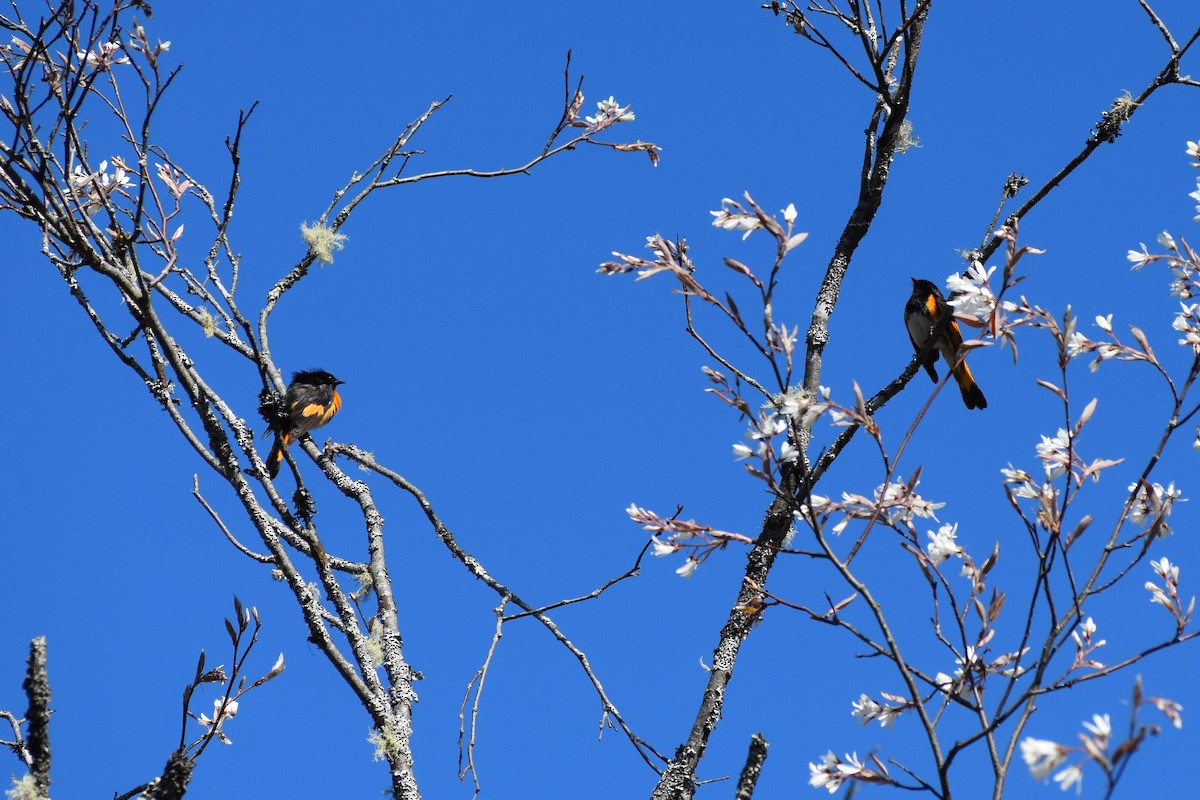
373	644
386	743
1109	127
366	585
322	241
24	788
207	323
906	139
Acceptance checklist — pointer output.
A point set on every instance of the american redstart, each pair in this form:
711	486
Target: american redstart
923	310
311	400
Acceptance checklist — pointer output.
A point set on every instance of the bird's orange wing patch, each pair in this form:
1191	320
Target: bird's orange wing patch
931	305
314	410
954	335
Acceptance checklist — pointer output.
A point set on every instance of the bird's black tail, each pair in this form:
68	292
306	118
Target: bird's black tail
275	459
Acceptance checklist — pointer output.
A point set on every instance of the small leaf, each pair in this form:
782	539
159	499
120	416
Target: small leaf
914	479
278	668
795	241
1053	388
738	266
991	561
995	606
733	309
1087	414
1143	342
843	603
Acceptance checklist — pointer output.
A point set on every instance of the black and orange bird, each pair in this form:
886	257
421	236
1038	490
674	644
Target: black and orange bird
923	310
311	400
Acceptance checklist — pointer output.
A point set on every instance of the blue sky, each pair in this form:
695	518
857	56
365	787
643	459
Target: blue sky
533	400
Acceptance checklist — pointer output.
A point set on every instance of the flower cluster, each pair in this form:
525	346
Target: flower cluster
1171	710
176	183
1059	456
1184	264
1153	503
103	57
979	306
1167	595
223	710
832	772
668	257
793	410
972	670
971	296
895	504
733	216
1185	283
701	539
140	43
1084	646
1042	756
866	709
93	189
608	113
943	544
1079	344
1096	743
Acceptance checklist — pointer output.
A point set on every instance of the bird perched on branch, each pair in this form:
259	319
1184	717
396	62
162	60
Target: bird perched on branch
921	314
311	400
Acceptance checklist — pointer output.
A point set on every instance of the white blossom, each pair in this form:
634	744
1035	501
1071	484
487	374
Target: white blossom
1023	482
971	295
662	548
688	569
826	773
223	710
608	113
1140	258
1101	729
942	544
733	217
1156	508
1187	322
1055	453
1069	776
1166	570
1041	756
866	709
1172	709
1157	596
102	57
